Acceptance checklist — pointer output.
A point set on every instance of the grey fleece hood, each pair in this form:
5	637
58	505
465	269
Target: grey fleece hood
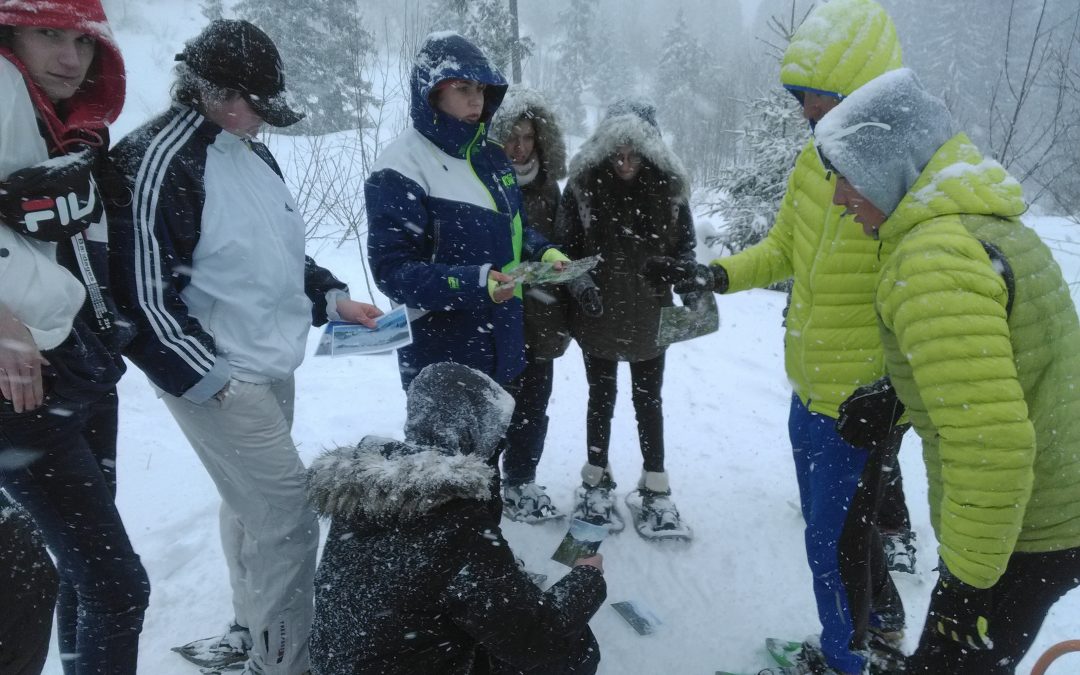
882	136
455	418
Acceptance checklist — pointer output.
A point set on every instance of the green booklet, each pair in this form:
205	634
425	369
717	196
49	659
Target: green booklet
534	273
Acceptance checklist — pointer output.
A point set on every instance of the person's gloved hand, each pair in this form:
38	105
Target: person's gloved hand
685	276
588	298
53	200
960	612
869	414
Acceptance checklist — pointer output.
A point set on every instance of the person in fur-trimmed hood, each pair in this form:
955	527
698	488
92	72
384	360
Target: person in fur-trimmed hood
982	342
533	142
416	576
626	199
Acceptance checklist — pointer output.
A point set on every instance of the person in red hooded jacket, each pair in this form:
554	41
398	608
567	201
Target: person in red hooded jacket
61	85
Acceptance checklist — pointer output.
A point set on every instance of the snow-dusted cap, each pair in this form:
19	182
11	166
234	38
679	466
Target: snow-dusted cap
457	409
237	55
882	136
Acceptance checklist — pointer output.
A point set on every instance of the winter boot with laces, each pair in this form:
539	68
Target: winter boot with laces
528	503
899	550
655	515
594	501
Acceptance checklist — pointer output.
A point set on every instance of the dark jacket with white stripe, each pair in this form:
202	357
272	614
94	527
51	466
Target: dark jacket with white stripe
208	253
444	208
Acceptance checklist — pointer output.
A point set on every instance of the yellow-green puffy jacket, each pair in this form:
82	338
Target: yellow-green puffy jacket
832	344
991	380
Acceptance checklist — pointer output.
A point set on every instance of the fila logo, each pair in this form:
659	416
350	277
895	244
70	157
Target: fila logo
67	209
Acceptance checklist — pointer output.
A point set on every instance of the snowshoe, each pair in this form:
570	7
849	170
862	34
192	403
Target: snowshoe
655	516
528	503
227	652
596	505
796	658
899	551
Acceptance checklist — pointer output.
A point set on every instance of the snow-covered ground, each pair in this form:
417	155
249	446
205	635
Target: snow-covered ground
726	399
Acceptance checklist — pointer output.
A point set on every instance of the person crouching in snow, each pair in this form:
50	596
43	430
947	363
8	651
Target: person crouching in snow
626	200
982	343
533	142
416	576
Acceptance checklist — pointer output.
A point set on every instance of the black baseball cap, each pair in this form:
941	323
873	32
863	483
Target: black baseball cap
237	55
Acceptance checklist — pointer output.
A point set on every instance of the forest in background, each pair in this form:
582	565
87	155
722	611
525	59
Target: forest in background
1008	69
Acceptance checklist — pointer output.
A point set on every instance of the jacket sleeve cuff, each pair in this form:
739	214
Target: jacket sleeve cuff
554	255
332	297
483	279
211	383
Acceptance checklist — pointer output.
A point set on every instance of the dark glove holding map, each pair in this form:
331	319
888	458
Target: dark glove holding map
53	200
869	414
961	612
588	298
685	275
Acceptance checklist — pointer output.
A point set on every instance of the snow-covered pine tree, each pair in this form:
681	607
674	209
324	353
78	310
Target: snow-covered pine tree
485	23
325	49
686	79
575	68
750	191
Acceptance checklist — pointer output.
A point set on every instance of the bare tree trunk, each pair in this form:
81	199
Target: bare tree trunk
515	52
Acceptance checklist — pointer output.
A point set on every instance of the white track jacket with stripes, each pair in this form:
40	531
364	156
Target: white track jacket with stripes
208	251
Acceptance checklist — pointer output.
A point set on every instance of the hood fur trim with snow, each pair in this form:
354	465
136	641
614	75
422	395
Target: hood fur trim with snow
389	481
525	102
630	128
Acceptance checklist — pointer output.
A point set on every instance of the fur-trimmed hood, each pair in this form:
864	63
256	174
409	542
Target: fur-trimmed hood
390	481
455	418
550	144
634	123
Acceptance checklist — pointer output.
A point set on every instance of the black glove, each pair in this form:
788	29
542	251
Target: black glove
54	200
869	414
588	298
961	612
686	276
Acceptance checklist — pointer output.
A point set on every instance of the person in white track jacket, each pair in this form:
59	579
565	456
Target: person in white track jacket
210	249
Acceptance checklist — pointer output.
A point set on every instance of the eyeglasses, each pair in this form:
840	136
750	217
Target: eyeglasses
631	158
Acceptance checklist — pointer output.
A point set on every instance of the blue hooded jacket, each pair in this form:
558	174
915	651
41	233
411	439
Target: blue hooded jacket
444	208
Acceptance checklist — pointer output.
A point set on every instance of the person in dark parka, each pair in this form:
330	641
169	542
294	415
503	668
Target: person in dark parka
533	142
416	576
626	200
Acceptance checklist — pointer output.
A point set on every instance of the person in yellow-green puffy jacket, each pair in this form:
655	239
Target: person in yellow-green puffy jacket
831	343
982	344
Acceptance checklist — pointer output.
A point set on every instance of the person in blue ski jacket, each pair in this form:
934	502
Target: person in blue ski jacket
446	219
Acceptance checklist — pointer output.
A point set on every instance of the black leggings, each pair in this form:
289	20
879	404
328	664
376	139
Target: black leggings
647	378
1020	600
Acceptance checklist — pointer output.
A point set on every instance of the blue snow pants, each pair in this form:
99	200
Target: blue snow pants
844	556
